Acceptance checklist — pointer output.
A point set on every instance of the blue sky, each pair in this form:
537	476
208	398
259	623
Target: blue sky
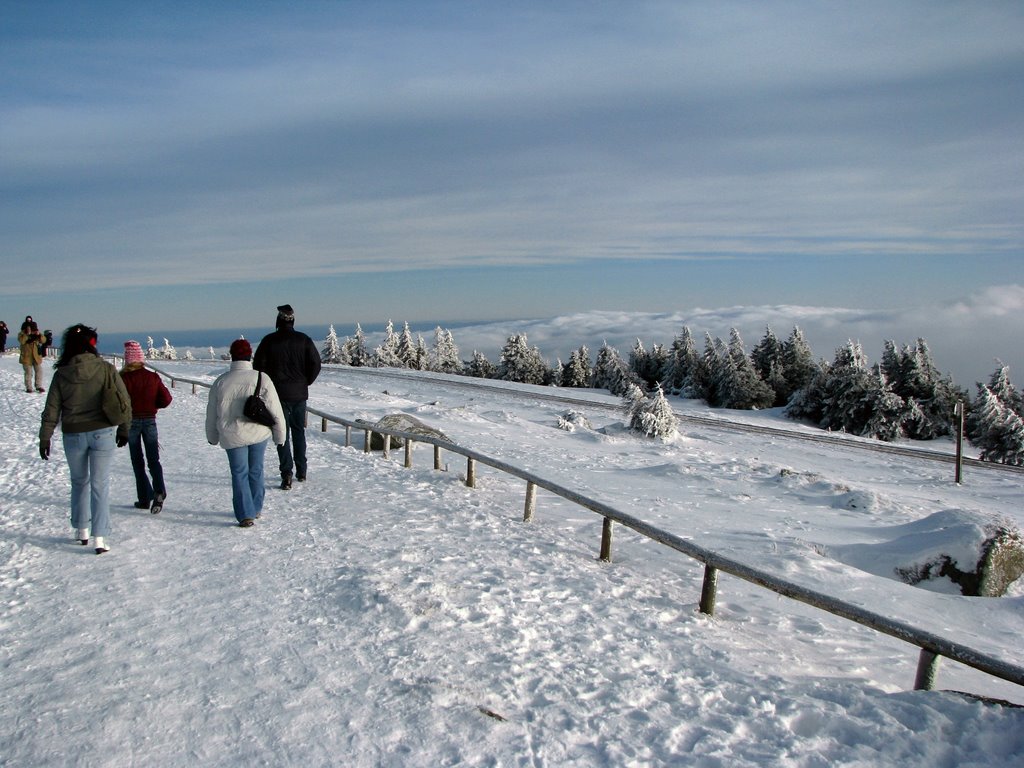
183	165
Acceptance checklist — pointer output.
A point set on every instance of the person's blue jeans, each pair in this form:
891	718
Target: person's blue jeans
292	455
142	435
89	456
247	488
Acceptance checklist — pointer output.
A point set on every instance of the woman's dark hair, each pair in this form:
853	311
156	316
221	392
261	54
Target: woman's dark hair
77	339
29	325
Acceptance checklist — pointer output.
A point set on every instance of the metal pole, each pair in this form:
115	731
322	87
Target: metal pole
470	472
959	411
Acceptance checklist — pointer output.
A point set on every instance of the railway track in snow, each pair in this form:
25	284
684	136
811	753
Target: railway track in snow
833	440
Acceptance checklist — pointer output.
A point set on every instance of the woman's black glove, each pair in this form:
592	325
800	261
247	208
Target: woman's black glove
44	450
121	440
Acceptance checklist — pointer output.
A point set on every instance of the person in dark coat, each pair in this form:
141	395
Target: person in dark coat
4	331
292	361
47	342
148	394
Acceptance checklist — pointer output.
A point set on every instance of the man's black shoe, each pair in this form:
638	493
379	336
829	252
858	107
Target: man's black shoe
286	481
142	505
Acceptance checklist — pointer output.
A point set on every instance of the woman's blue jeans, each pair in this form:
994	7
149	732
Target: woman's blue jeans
142	435
89	456
247	487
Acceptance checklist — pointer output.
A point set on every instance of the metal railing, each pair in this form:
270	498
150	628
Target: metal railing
932	646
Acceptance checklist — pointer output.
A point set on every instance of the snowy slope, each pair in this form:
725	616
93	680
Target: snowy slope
378	615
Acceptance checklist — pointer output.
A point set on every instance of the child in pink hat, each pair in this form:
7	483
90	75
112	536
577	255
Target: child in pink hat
148	395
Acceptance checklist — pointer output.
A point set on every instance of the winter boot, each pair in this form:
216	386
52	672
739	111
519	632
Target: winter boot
82	535
286	481
101	546
158	504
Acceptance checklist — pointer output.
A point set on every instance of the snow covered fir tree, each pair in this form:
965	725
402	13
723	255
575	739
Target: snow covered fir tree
996	423
903	396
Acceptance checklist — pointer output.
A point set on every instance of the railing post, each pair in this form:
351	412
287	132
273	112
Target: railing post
470	472
531	501
708	590
437	457
366	441
193	388
172	383
958	411
408	453
348	435
606	540
323	424
927	670
387	446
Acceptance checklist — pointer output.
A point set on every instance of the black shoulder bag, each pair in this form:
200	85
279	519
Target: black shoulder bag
255	409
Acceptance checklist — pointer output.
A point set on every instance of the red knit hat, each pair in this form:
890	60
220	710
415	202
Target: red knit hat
241	350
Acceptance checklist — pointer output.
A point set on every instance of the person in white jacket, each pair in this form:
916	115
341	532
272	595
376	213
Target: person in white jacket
244	440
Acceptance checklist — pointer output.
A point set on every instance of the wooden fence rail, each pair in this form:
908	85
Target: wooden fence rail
932	646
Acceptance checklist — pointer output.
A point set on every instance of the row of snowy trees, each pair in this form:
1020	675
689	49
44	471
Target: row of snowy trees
398	350
903	395
166	352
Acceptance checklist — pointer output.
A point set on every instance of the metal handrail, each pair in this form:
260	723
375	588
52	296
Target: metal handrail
932	646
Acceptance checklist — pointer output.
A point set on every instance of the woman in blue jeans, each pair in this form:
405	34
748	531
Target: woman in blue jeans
244	440
148	395
75	400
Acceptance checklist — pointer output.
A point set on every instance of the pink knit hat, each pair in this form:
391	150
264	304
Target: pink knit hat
132	352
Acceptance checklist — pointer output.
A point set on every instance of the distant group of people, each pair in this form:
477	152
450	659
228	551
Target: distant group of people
100	409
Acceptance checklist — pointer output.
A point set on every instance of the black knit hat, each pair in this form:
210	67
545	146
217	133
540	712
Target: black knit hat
285	316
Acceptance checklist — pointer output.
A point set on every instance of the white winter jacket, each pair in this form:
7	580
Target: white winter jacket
225	423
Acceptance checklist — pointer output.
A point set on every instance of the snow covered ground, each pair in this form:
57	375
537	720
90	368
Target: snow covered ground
383	615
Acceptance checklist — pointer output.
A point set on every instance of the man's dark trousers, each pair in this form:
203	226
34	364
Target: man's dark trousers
292	455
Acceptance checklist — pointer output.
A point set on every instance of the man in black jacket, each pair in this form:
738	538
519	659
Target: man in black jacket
292	361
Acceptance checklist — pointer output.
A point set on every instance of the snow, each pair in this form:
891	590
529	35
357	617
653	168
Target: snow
384	615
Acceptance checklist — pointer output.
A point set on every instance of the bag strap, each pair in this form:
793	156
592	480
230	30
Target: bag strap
259	380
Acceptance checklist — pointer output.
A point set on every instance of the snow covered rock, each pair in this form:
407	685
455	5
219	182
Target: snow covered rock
570	421
951	550
402	422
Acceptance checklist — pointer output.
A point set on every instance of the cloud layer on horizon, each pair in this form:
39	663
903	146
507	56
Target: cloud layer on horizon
966	338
